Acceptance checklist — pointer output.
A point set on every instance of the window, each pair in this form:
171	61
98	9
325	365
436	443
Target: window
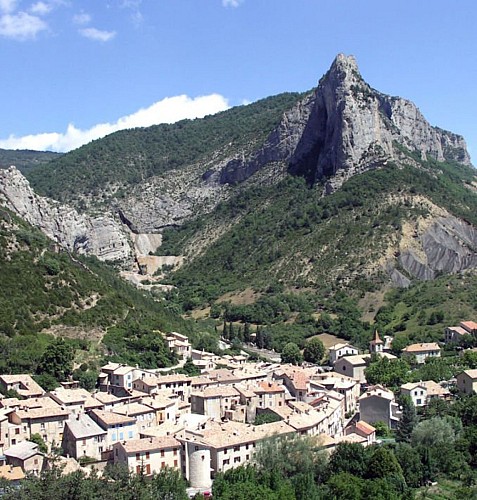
226	462
175	451
138	455
236	460
138	469
147	455
42	426
17	431
162	453
148	468
175	463
236	448
84	442
163	465
225	451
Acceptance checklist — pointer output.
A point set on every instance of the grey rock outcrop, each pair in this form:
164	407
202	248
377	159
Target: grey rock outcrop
101	236
448	245
344	128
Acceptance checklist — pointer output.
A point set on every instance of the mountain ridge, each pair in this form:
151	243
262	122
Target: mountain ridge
330	136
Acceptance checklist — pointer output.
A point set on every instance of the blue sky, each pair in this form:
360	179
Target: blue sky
74	70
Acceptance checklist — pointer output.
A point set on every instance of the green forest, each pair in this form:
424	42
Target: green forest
130	156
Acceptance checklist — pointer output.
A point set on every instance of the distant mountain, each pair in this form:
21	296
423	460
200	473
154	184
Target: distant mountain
339	188
24	159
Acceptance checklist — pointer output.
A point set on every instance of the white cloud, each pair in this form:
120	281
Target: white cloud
21	26
97	35
82	18
41	8
232	3
8	6
168	110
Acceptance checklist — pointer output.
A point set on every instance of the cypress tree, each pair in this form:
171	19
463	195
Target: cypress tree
408	420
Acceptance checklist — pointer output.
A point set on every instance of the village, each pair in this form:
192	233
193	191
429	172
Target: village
201	425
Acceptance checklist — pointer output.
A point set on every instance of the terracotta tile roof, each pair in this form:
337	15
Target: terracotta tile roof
217	392
469	325
27	387
11	473
356	360
471	373
158	402
70	396
106	398
365	428
123	370
131	409
201	380
150	444
110	418
38	413
226	434
424	347
458	329
268	387
435	389
177	377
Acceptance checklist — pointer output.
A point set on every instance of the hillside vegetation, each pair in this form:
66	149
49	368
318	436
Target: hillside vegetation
44	288
131	156
291	233
25	160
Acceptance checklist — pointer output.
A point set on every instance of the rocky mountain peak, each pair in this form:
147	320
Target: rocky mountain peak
343	71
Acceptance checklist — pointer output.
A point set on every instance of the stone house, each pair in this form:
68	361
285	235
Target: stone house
467	381
422	351
48	422
422	392
149	455
337	351
118	427
25	455
214	401
22	384
84	437
378	404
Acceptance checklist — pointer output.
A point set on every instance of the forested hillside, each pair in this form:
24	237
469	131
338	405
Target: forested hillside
131	156
47	289
292	234
25	160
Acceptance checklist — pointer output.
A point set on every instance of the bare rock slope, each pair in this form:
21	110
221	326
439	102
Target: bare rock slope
102	236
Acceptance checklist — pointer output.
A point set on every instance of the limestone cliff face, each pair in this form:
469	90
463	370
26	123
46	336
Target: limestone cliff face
344	128
102	236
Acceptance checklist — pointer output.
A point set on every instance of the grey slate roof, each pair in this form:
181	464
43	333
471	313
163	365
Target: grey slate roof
82	426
